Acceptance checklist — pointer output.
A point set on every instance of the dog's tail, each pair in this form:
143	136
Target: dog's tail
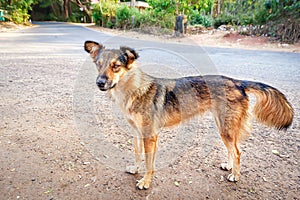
271	108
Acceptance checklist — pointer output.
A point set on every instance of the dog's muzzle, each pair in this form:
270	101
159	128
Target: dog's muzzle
104	84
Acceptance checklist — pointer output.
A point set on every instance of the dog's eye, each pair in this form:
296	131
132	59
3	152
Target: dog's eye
116	67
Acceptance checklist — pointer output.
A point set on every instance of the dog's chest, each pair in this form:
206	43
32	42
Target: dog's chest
121	100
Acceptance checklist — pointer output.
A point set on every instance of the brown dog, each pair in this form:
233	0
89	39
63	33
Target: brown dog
150	104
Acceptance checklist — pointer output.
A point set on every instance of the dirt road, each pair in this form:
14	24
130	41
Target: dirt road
61	138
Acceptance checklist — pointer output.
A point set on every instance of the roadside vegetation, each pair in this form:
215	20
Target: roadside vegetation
278	19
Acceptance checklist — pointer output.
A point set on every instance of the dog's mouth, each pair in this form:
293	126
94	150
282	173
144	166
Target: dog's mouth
107	87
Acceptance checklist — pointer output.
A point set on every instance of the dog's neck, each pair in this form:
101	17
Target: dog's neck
133	85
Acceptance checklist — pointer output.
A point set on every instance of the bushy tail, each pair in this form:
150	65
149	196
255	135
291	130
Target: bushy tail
271	108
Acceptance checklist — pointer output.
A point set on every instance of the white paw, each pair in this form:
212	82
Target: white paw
233	178
225	166
132	169
143	184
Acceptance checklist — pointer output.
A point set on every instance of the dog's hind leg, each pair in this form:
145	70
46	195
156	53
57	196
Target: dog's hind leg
150	144
228	165
231	125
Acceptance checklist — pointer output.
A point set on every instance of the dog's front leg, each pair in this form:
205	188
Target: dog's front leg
150	144
138	150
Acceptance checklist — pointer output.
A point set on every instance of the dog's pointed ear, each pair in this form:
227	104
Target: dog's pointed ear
130	54
93	48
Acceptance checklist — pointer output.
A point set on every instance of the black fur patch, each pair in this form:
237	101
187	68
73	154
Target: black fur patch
171	101
123	59
199	85
159	91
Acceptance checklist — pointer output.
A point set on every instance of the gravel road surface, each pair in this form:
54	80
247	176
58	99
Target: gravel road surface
61	138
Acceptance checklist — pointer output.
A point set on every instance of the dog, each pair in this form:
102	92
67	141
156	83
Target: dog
151	103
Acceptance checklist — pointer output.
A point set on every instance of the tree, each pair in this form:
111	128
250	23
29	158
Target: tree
17	9
85	7
64	10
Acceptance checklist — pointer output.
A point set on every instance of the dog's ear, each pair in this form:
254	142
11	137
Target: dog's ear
93	48
130	54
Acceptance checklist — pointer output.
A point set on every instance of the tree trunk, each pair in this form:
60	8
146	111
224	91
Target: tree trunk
212	10
55	9
66	9
219	6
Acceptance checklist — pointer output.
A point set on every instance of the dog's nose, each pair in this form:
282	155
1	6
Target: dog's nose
101	81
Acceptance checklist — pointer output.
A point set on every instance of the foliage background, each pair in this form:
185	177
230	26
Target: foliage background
277	18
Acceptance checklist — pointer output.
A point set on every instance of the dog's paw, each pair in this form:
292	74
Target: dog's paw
233	178
132	169
225	166
143	184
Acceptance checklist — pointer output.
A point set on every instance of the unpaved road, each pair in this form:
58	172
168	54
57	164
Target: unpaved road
61	138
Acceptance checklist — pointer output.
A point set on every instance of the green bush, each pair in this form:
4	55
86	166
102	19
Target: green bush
244	12
226	19
18	10
97	14
127	17
18	16
162	6
147	19
196	18
159	19
229	19
104	13
133	18
123	15
244	19
260	13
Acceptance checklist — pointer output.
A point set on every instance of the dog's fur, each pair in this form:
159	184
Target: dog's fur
151	103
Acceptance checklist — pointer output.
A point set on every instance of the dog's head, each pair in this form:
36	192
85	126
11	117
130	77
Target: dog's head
112	64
